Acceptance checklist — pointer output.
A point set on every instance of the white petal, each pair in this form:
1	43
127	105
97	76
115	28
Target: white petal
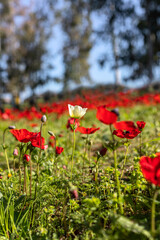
76	111
71	109
83	111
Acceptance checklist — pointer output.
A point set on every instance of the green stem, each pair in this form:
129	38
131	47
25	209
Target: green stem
20	169
5	151
38	171
4	135
117	182
55	156
97	167
140	147
14	164
56	165
37	181
24	184
35	196
40	142
84	156
7	161
73	150
89	153
36	186
125	159
153	212
30	178
110	127
116	174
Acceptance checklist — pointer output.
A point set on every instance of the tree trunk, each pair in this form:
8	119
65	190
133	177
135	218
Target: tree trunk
150	39
115	54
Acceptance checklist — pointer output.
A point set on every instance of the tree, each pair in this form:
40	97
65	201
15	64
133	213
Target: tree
4	20
140	45
77	27
116	14
24	46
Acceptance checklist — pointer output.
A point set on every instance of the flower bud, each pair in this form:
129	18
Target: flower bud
15	152
51	133
73	190
141	125
103	151
26	157
11	127
1	176
59	150
45	147
64	167
60	135
43	119
75	193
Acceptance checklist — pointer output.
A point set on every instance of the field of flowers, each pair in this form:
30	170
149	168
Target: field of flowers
83	168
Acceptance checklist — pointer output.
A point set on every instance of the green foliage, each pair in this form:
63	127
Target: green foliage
86	206
23	47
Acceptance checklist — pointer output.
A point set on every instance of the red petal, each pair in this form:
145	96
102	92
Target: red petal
23	135
119	133
84	130
125	125
106	116
37	141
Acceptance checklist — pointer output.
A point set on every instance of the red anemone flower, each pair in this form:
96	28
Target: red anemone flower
126	134
140	124
106	116
84	130
59	150
150	168
23	135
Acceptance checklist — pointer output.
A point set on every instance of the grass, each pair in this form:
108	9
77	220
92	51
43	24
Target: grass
56	212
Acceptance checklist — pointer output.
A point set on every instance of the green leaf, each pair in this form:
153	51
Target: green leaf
19	200
130	226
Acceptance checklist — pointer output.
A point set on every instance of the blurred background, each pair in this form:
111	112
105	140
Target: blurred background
58	45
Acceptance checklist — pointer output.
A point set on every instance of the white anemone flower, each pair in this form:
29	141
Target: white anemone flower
76	111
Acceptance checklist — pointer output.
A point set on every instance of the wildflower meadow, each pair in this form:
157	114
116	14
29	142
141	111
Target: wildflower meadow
81	168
